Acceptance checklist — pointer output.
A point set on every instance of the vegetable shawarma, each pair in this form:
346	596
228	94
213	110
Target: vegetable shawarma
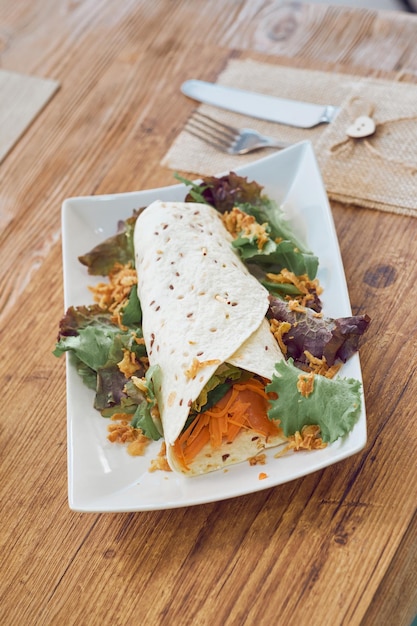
202	309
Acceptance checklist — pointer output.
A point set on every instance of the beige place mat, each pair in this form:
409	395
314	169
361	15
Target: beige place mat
375	173
21	99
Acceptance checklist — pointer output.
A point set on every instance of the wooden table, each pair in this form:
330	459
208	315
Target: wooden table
336	547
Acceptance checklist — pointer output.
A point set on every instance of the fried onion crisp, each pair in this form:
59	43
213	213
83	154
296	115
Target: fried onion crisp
279	329
197	365
129	364
160	463
237	223
114	294
319	366
305	383
307	287
259	459
307	439
120	431
138	446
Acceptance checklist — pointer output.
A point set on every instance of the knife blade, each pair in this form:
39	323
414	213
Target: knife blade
261	106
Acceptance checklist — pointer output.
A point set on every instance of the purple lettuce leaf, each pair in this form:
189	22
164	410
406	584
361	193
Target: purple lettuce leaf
335	339
228	191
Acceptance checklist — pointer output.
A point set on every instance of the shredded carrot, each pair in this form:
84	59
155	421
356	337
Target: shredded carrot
237	421
244	407
196	445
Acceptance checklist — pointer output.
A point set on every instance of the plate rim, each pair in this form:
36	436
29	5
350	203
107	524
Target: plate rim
304	149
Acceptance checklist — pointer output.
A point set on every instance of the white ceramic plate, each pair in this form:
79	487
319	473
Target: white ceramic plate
102	477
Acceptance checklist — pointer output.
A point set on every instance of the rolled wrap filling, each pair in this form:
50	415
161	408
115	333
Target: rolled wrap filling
201	307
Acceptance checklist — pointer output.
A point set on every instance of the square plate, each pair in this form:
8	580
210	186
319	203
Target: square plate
103	477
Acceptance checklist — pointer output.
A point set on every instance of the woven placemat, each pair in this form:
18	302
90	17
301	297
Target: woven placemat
21	99
377	172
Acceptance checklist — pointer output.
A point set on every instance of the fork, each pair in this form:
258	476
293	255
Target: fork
228	138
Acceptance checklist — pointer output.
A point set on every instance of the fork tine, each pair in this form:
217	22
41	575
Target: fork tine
221	145
209	121
228	139
212	132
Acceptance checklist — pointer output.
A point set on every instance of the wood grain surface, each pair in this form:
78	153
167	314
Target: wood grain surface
336	547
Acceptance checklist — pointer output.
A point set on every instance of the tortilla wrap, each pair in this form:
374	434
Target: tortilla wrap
201	308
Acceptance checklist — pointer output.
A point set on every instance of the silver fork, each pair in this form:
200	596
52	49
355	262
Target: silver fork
228	138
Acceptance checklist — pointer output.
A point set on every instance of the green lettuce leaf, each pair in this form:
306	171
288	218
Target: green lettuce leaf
195	191
96	346
275	257
267	211
283	248
216	387
88	375
80	317
91	345
132	312
116	249
143	419
126	405
334	404
99	343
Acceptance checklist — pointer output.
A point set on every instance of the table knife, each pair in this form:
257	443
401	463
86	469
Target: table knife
261	106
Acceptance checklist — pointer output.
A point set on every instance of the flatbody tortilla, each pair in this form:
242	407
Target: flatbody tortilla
201	307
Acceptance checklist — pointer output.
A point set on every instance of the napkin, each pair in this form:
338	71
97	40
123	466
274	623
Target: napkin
21	99
378	172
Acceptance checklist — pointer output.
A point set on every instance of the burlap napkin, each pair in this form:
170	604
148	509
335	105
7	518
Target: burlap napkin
376	172
21	99
380	171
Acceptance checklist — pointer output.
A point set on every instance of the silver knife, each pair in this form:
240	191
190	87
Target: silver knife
281	110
